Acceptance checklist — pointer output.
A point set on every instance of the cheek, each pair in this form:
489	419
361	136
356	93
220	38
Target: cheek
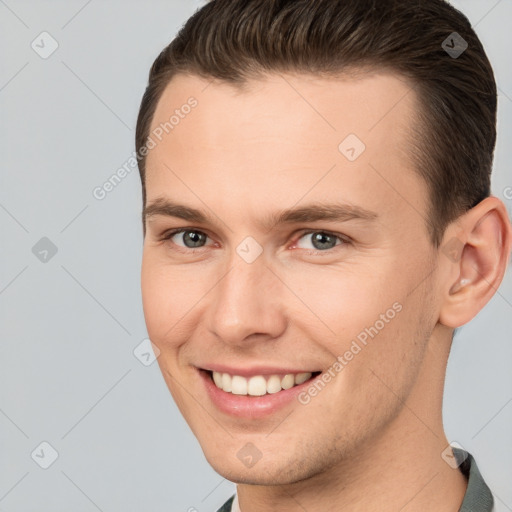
159	297
152	294
349	299
373	320
171	297
392	342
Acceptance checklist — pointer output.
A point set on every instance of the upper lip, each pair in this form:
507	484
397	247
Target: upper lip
254	370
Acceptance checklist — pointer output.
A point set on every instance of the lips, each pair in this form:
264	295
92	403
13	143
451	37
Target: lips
240	403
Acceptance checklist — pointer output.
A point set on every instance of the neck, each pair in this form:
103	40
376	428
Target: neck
400	469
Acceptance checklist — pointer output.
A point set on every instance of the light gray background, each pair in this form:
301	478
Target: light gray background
68	375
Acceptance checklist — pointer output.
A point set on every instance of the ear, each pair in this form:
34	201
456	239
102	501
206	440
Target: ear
474	256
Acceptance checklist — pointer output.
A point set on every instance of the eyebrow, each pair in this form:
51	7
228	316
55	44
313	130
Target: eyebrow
308	213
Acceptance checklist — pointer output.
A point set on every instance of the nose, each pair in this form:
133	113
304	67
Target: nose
247	304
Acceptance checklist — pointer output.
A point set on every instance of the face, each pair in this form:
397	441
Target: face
278	251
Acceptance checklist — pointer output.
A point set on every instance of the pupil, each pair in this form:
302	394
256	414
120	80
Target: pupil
193	237
319	241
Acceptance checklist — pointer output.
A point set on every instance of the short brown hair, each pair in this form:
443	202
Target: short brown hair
453	142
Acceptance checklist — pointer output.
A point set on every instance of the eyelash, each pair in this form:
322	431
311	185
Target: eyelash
343	238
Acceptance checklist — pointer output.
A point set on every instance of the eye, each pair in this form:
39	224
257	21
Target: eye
321	240
189	238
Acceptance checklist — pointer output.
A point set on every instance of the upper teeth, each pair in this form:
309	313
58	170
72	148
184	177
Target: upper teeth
258	385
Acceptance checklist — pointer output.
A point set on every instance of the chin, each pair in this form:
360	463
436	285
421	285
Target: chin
269	472
251	476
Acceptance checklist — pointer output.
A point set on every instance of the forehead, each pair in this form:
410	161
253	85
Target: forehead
324	137
364	102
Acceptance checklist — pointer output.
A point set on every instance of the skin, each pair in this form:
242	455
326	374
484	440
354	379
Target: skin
372	438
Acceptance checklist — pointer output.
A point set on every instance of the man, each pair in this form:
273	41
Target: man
318	222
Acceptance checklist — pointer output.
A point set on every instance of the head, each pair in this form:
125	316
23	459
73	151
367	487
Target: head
329	169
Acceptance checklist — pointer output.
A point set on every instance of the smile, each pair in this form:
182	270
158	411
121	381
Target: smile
258	385
256	392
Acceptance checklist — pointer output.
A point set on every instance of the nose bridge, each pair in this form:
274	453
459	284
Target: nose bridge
246	299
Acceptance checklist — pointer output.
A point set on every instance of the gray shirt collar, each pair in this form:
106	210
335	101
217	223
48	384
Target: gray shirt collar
478	497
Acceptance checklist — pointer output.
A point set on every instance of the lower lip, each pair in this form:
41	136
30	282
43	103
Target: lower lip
246	406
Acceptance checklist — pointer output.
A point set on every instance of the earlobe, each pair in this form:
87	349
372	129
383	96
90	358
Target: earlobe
484	236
